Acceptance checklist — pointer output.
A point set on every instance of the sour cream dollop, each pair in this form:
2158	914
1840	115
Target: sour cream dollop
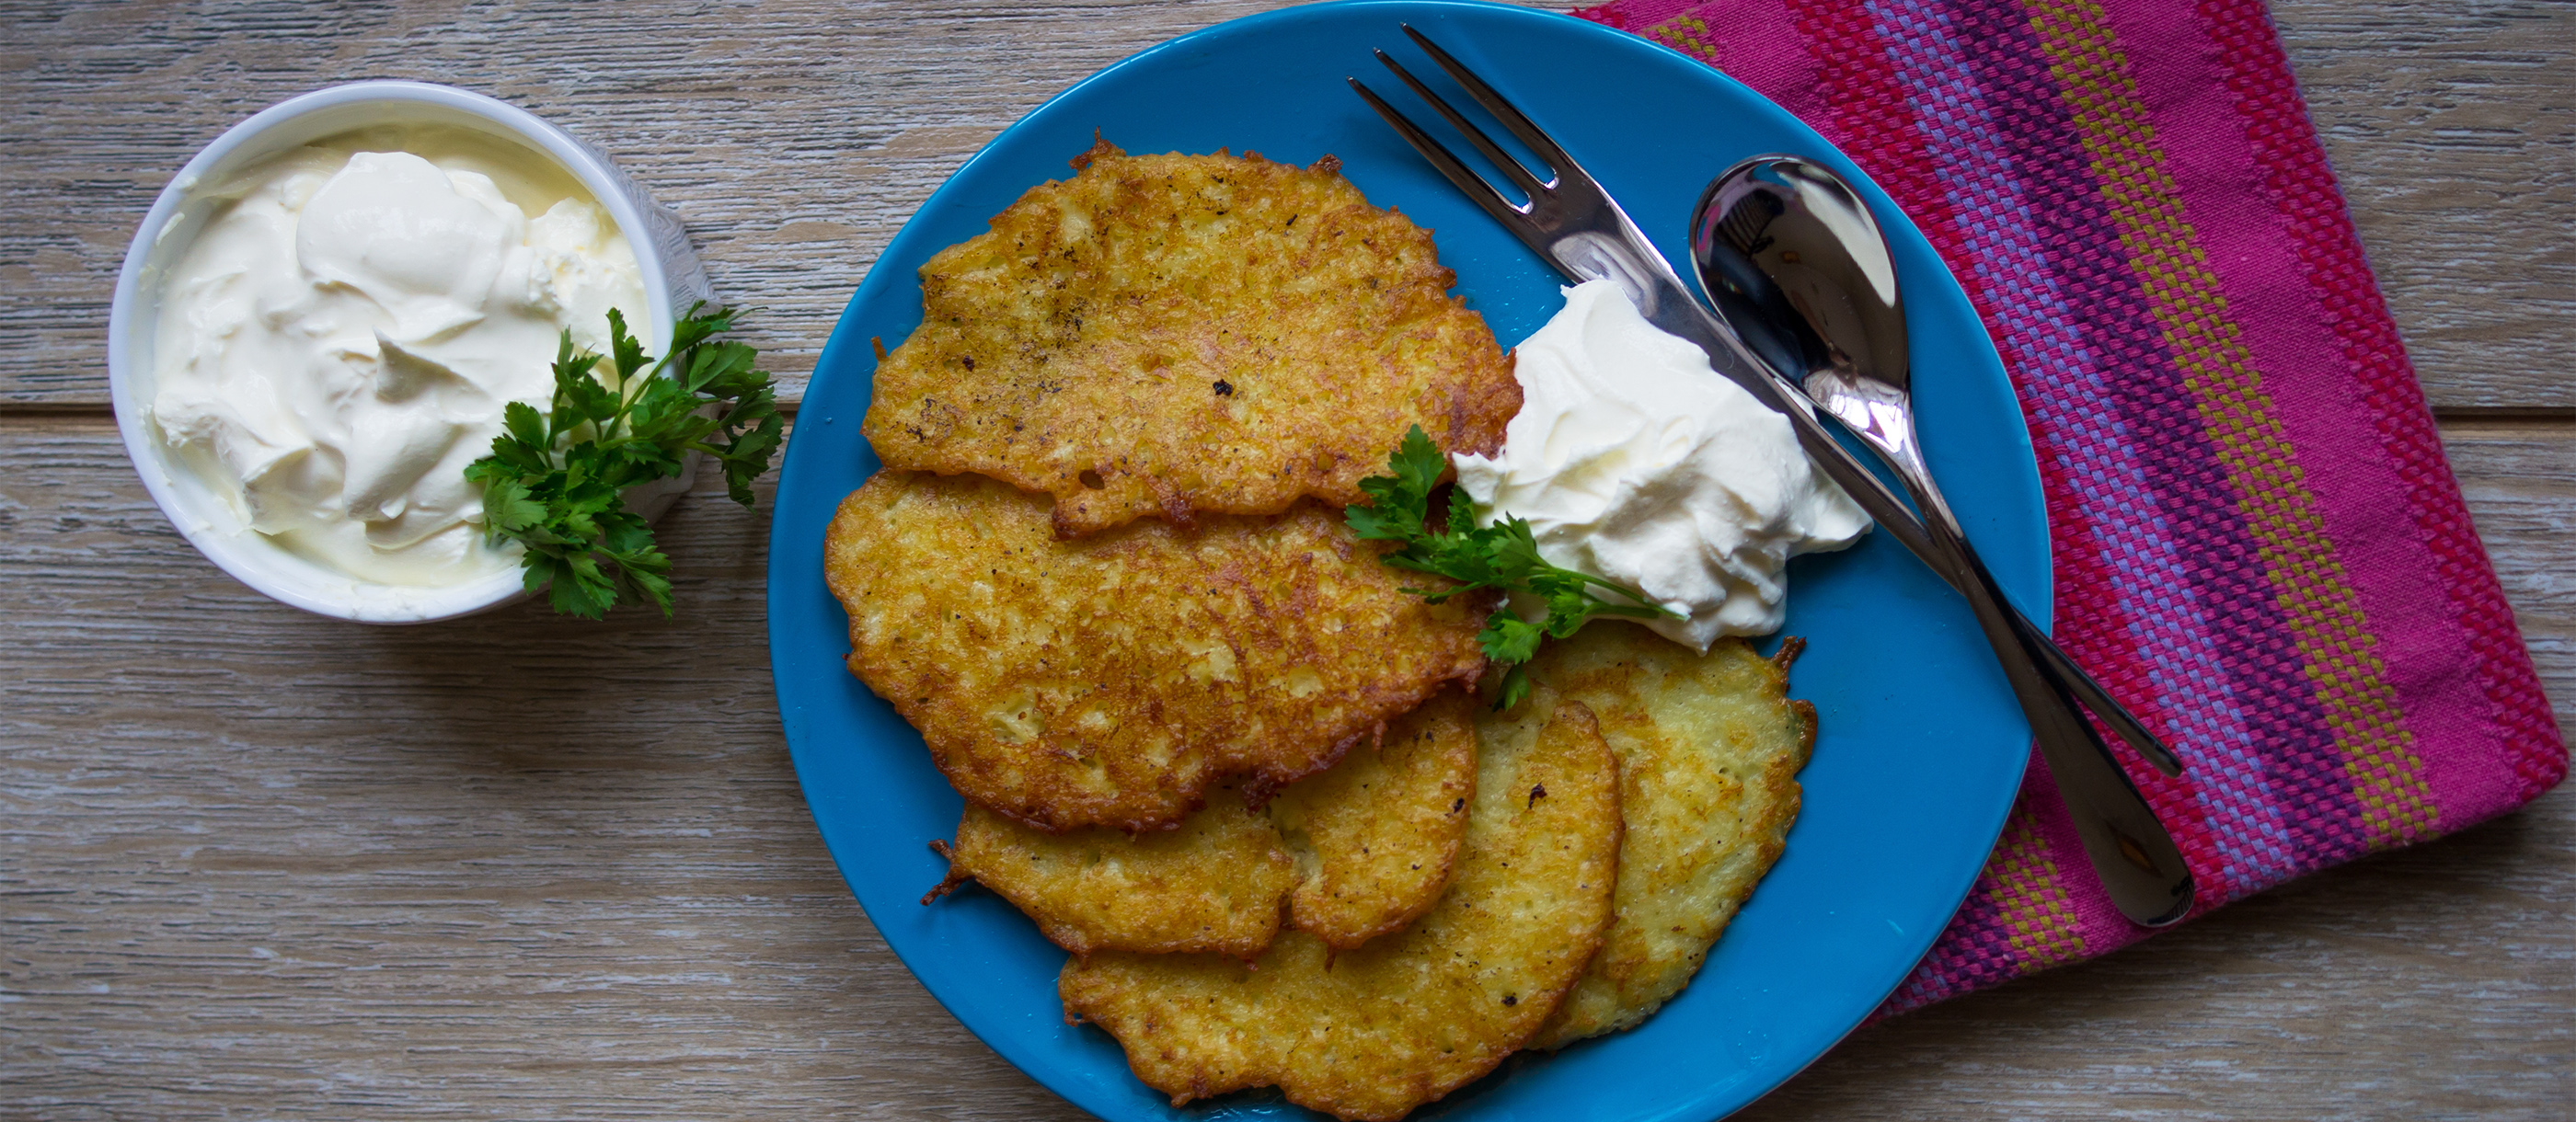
1634	461
339	341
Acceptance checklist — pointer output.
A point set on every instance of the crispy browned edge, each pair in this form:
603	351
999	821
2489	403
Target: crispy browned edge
1553	1034
1544	1010
1448	858
1073	940
1179	507
1258	784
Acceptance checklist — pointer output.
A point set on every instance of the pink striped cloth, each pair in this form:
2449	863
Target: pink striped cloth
2258	544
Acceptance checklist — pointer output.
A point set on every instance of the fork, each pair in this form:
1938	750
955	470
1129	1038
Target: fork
1573	224
1570	221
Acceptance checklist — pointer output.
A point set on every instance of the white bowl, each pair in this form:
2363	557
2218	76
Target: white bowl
673	281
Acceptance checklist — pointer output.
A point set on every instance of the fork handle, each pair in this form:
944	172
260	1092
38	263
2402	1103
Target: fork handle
1574	224
2130	849
2090	694
1667	307
2139	864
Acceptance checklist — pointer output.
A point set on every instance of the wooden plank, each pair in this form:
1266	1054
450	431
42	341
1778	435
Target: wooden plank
2520	479
2453	129
2427	983
262	861
259	863
2432	982
794	137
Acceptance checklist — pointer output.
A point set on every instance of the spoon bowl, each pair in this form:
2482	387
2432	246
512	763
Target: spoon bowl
1797	268
1794	262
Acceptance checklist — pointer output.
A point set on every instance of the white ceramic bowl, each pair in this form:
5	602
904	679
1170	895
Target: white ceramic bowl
673	281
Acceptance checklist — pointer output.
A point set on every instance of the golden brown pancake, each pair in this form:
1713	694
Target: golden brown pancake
1180	334
1350	853
1375	843
1375	1032
1111	681
1213	884
1709	749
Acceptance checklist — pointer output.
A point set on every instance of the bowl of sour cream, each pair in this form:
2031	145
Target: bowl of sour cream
323	316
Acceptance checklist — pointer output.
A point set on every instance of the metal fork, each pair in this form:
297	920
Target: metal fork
1573	223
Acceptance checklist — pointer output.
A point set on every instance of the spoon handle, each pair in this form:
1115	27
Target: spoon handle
2053	659
2137	860
2090	694
2129	848
2140	866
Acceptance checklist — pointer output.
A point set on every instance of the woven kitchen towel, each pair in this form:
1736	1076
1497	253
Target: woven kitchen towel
2257	542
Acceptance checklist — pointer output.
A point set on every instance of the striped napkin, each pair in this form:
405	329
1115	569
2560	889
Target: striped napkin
2258	544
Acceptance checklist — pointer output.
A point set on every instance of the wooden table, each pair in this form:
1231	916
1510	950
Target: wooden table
258	864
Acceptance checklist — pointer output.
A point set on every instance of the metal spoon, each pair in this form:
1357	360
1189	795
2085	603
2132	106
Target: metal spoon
1794	263
1825	319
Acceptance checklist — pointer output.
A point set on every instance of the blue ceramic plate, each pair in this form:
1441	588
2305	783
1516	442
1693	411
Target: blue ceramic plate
1921	746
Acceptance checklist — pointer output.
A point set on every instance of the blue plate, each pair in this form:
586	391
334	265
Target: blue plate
1921	747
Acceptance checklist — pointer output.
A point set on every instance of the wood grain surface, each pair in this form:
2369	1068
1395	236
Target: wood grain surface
254	864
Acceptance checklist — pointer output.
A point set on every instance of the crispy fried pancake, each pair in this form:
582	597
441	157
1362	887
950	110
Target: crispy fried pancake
1709	750
1376	1032
1176	334
1213	884
1361	849
1110	681
1375	843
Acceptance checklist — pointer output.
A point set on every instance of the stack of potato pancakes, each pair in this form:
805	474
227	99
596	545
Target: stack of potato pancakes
1208	742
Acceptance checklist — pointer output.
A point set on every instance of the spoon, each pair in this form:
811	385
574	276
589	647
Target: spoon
1796	266
1816	310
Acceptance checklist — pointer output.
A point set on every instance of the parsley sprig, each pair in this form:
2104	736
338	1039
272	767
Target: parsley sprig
1503	555
554	482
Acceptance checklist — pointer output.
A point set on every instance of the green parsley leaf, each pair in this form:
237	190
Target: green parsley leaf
1503	555
556	479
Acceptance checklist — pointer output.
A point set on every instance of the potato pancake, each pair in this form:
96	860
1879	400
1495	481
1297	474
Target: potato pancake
1350	853
1375	843
1709	749
1178	334
1110	681
1376	1032
1214	884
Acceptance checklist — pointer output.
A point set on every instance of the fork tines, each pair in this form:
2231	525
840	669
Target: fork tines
1540	193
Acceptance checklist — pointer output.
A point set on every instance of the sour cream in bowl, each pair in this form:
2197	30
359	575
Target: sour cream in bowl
323	316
